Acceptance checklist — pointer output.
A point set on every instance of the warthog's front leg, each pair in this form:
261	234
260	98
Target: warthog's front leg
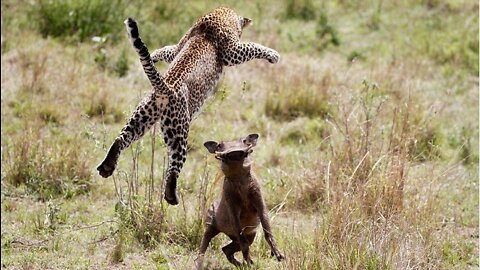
265	221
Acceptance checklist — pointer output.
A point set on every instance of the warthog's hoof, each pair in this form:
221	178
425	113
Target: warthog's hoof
278	255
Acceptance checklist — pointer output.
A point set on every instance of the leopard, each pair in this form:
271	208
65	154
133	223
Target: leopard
195	65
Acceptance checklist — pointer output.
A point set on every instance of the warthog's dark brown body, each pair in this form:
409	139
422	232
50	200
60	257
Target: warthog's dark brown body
241	208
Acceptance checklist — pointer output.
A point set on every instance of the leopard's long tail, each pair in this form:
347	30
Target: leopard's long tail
142	50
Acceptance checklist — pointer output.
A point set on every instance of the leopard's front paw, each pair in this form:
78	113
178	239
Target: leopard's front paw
273	57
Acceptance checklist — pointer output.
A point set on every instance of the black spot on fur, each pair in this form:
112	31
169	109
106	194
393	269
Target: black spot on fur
138	43
133	30
176	145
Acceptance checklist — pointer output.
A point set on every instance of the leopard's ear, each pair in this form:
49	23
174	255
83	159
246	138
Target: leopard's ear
211	146
245	22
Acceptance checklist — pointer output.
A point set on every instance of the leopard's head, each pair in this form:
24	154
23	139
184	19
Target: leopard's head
223	25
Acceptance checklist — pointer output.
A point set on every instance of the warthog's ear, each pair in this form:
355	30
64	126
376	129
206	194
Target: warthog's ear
211	146
251	139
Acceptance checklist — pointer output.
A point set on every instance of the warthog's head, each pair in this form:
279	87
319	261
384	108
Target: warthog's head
233	152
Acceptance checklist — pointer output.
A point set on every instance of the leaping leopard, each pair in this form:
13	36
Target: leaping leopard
196	64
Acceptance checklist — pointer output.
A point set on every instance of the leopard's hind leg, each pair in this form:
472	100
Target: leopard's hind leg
142	119
175	123
146	113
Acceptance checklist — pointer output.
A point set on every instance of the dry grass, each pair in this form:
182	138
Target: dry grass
368	152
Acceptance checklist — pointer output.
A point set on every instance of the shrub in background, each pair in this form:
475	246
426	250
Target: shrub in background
79	20
295	9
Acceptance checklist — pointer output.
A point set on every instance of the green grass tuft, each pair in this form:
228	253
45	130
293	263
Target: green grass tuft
303	9
46	170
290	102
79	20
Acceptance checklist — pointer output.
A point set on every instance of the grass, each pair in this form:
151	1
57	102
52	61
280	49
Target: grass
368	150
78	20
43	168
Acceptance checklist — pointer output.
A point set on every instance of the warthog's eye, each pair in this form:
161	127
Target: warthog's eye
247	143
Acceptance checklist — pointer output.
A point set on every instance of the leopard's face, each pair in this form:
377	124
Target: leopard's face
223	25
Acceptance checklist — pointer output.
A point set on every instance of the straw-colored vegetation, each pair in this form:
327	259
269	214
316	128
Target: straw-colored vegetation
368	152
